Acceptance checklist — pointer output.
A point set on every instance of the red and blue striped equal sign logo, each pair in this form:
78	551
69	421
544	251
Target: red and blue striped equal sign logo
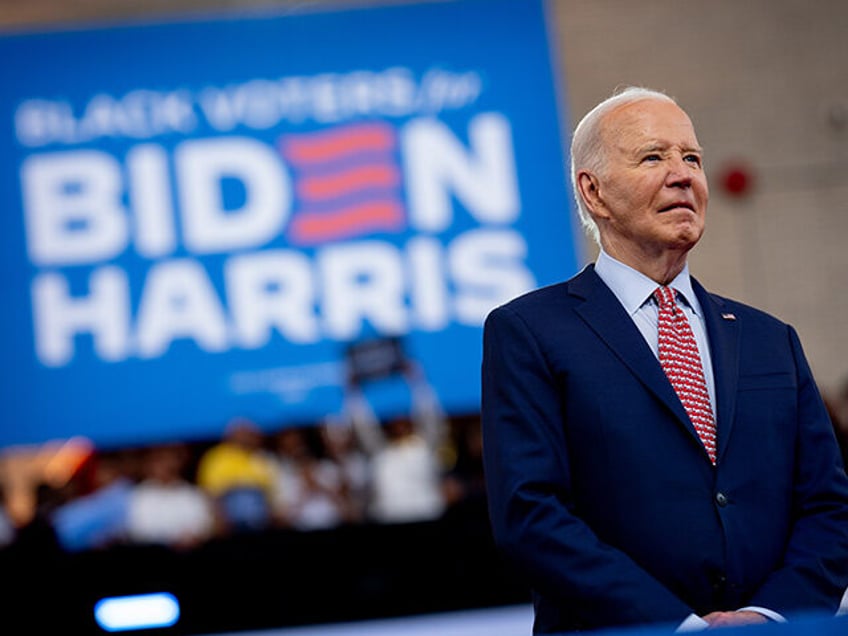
347	181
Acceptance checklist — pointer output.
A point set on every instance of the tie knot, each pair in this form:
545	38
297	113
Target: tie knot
665	295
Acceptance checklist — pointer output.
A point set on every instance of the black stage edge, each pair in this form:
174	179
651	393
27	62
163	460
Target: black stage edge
269	579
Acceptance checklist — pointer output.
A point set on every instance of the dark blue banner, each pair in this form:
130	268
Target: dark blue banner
199	217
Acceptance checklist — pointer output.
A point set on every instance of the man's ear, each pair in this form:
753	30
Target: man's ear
588	185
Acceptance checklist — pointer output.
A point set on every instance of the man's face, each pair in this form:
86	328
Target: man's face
652	192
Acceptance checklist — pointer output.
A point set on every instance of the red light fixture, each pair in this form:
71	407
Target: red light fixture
736	180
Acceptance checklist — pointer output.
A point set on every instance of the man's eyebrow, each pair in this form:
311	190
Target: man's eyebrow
658	147
648	148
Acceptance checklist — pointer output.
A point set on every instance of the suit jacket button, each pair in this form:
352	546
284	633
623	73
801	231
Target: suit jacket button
721	499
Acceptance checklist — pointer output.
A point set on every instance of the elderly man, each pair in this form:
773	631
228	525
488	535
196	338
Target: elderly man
654	452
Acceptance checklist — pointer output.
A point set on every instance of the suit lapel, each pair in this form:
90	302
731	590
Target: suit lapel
723	335
606	317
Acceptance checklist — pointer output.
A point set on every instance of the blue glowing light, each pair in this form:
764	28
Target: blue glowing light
141	611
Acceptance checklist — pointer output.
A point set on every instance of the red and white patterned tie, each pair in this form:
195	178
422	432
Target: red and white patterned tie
681	362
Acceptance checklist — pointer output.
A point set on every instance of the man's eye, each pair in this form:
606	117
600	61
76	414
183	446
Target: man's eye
694	159
651	157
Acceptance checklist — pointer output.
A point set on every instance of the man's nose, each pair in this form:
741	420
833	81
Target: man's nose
679	174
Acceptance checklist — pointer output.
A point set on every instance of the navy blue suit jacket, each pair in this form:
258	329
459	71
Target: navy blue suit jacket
602	493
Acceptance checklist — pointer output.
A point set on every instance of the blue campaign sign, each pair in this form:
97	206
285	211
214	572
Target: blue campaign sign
199	217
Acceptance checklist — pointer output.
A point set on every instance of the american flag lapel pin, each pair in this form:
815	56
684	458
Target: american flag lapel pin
729	316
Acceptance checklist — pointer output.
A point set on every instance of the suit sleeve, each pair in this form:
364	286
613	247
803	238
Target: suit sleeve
814	573
532	510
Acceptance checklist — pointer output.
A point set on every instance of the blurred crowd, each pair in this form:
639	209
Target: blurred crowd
348	469
837	406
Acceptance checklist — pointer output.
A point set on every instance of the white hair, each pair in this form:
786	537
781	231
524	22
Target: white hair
587	148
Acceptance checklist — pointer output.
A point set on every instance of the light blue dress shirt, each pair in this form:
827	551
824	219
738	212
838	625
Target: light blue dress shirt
635	292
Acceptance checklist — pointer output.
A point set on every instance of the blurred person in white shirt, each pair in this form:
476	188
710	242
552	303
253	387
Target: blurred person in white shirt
406	469
165	507
309	489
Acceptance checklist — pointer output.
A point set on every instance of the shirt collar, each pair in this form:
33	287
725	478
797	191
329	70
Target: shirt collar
633	288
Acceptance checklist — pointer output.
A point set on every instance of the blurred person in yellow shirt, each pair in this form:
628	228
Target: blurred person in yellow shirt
238	473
